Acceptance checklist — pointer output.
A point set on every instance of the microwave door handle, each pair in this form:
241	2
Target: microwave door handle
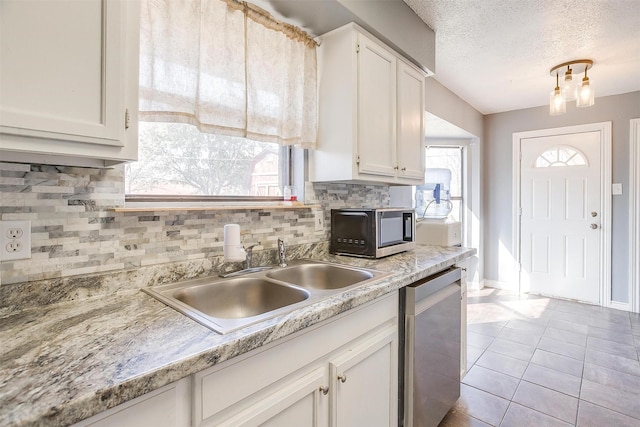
408	227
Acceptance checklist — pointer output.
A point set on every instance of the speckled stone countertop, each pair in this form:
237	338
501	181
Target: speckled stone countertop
63	363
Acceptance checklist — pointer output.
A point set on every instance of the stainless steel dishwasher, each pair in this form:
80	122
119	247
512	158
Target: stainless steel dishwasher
430	349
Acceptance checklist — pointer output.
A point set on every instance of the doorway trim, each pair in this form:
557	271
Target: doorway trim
634	215
605	196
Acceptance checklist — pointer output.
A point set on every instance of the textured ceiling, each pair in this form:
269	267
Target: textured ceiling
496	54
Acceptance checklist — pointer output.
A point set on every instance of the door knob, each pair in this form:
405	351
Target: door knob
342	378
594	214
324	390
594	226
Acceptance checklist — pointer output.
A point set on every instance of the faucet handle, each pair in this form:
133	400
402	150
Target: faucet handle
249	255
282	255
250	247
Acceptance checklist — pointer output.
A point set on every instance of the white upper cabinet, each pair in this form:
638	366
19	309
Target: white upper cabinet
371	115
411	143
69	81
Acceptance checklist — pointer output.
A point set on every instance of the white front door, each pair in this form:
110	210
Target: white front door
561	215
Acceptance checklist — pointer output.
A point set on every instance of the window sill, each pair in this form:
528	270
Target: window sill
227	206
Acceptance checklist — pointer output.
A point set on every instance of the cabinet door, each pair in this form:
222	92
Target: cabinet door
376	109
62	70
301	403
411	139
364	383
169	406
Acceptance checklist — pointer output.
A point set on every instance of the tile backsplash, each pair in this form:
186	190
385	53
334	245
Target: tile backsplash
76	234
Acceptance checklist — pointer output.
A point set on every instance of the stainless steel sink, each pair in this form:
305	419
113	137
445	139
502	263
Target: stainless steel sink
239	297
320	276
228	304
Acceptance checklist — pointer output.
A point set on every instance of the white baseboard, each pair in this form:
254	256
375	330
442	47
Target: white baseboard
619	305
499	285
475	286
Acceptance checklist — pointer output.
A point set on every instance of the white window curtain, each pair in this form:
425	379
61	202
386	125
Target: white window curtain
229	68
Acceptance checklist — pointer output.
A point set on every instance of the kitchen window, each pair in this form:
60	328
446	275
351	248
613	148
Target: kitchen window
176	159
443	183
226	90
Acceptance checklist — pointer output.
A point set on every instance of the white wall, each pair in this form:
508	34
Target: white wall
497	178
445	104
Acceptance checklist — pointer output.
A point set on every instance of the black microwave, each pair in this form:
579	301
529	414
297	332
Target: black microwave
372	233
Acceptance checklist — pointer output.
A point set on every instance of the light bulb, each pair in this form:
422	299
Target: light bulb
585	96
557	103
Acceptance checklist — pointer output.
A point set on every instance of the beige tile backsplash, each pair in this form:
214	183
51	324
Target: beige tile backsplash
75	233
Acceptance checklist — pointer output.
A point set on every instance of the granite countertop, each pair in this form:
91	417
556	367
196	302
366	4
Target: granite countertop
63	363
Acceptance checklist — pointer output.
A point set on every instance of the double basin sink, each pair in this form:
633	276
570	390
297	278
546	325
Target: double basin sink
226	305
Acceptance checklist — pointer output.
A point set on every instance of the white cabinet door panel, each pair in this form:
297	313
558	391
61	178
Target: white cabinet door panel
300	403
364	383
411	138
168	406
376	108
62	70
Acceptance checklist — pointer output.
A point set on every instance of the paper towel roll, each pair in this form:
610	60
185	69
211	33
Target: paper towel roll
233	250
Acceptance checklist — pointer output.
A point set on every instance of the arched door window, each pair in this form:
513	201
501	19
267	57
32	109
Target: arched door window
561	156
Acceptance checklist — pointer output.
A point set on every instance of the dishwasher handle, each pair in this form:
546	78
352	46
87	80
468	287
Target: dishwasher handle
433	299
430	285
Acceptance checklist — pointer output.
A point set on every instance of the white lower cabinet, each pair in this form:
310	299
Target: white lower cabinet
362	374
169	406
341	373
333	393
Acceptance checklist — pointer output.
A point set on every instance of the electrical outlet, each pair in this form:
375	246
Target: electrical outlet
318	219
14	246
15	233
15	240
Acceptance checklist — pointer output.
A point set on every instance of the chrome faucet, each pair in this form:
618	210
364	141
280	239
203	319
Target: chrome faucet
249	256
247	264
282	255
